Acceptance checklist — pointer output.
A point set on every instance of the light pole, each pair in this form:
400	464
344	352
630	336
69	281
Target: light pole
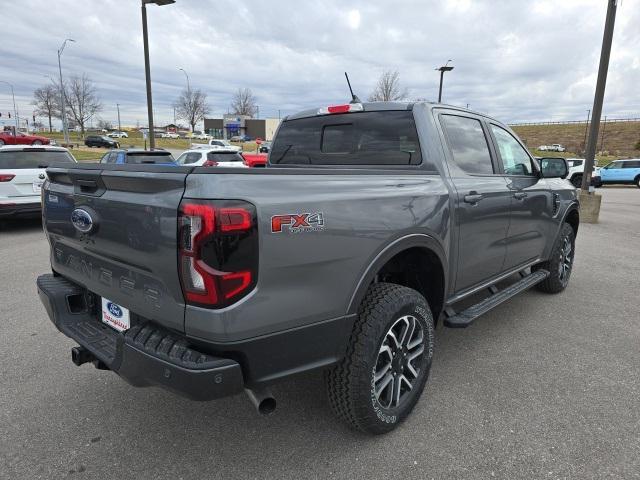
147	71
15	111
444	68
63	111
119	126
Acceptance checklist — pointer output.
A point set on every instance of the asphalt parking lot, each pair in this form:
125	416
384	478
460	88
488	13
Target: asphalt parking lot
541	387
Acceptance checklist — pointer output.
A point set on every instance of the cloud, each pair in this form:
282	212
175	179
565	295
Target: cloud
516	60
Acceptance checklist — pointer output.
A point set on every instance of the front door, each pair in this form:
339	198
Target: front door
531	222
483	200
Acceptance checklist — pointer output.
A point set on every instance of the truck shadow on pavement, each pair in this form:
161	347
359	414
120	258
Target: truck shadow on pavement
15	225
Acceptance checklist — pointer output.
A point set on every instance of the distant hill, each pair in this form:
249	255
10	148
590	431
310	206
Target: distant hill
621	139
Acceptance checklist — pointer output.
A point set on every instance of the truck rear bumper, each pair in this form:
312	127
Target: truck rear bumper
145	354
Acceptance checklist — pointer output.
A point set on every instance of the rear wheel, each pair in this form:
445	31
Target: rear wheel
560	264
387	363
36	142
637	181
576	180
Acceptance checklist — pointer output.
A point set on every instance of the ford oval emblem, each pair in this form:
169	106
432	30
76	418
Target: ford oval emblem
82	220
114	310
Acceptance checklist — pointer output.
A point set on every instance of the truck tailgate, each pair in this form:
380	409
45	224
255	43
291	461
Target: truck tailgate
129	253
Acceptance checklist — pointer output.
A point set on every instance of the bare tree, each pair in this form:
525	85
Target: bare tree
82	100
104	124
388	88
46	100
244	103
192	106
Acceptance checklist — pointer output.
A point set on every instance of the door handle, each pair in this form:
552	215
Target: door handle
473	198
520	195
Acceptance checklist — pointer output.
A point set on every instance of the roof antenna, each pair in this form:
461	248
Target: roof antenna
354	97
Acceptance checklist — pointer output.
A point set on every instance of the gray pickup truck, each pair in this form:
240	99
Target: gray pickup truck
371	225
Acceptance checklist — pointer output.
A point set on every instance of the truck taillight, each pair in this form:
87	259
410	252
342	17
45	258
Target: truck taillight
218	256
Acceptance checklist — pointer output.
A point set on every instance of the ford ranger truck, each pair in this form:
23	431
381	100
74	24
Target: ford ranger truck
371	225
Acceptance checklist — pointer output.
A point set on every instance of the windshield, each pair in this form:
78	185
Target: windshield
33	159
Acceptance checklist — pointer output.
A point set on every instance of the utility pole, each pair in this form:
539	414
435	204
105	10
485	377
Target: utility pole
258	111
444	68
599	96
604	127
119	126
15	110
586	129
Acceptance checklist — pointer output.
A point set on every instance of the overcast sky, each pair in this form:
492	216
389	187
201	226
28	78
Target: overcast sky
516	60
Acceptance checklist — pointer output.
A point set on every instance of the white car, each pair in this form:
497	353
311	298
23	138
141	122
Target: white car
554	147
200	136
118	135
22	173
211	157
170	135
217	143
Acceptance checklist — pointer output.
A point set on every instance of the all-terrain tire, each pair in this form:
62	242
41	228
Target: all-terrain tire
557	266
351	384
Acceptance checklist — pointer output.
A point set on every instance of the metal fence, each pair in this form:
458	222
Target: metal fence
570	122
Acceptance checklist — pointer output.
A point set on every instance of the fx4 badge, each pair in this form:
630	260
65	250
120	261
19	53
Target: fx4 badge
297	222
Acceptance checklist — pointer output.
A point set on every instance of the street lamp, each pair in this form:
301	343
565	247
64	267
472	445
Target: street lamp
186	75
444	68
147	71
15	111
65	127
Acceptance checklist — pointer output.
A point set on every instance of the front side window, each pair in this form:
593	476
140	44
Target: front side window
515	159
468	144
613	165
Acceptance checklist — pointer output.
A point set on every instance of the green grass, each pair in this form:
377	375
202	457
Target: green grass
602	159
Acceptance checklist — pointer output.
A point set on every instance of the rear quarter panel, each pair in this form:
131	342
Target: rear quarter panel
310	277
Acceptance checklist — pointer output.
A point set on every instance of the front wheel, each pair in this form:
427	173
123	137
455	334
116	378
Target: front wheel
381	377
1	143
560	264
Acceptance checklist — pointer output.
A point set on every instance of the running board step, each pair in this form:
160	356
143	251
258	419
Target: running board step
467	317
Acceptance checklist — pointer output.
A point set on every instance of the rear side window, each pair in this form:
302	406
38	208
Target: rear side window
468	144
17	160
189	157
367	138
631	164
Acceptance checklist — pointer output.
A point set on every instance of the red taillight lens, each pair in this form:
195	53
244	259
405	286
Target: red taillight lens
210	163
218	251
6	177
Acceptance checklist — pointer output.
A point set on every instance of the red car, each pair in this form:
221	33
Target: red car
254	160
7	138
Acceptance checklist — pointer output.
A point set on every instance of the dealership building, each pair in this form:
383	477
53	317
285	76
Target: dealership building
231	125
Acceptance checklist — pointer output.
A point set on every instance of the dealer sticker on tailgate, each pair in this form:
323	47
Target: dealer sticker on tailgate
115	316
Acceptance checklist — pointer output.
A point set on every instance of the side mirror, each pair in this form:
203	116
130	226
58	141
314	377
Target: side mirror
554	167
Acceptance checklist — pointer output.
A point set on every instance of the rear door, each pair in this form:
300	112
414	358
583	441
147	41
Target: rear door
129	255
483	199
